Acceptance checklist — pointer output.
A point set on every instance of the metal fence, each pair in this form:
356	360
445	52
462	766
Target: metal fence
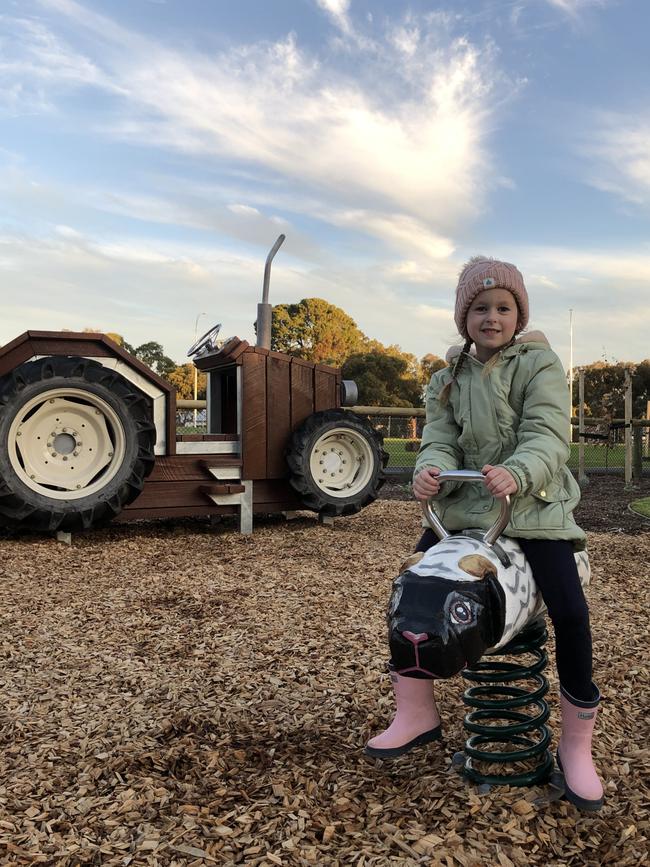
189	421
603	441
603	444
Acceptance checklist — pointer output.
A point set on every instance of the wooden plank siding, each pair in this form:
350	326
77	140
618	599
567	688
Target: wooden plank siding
15	356
180	499
88	344
326	391
277	495
278	416
136	514
254	415
302	391
176	492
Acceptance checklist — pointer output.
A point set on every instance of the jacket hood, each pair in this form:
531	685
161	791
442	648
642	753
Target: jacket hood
530	337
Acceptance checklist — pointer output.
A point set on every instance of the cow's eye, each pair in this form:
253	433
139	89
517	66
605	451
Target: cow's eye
461	612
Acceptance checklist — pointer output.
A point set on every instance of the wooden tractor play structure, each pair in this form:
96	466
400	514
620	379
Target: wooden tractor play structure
88	434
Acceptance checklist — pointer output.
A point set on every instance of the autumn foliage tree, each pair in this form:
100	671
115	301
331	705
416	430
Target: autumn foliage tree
315	330
605	388
383	379
430	364
182	378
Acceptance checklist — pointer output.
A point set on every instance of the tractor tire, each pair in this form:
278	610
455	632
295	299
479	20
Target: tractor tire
76	444
336	461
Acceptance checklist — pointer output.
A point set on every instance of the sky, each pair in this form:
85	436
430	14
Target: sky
151	152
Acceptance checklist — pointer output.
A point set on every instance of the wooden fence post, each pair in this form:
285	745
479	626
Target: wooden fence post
637	453
583	479
628	429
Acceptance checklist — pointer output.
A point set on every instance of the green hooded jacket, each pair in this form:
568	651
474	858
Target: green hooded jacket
514	414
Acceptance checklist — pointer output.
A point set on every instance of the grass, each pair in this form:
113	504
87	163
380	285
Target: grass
641	507
595	455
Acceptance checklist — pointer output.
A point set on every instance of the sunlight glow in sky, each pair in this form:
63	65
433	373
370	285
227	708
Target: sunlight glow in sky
151	151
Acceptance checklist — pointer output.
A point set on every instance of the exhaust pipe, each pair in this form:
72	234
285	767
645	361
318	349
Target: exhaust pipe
264	310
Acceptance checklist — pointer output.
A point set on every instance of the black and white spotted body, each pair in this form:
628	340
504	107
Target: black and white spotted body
443	617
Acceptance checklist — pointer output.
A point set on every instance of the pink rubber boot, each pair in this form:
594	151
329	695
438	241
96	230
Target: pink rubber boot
582	785
416	722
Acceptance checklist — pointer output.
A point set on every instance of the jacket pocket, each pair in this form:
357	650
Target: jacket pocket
545	509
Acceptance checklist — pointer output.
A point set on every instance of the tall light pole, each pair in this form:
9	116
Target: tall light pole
570	373
196	371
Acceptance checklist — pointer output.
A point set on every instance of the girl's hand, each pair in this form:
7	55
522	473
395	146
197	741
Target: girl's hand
426	483
499	481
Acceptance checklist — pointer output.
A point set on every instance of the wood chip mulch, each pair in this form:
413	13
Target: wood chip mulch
177	694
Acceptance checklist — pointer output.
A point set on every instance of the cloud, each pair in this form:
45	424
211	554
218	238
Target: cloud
406	133
398	230
574	7
153	289
618	150
338	12
244	210
37	64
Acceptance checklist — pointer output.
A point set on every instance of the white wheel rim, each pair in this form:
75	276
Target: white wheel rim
66	443
341	462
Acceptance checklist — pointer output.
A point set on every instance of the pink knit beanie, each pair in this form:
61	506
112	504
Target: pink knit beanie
482	273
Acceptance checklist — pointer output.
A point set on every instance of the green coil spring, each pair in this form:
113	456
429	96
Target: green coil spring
526	733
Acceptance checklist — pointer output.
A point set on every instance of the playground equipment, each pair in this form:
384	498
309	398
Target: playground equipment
88	434
469	596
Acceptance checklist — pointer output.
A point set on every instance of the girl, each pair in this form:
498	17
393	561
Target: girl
502	407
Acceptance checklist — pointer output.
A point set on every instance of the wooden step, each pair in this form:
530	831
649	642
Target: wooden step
222	490
181	468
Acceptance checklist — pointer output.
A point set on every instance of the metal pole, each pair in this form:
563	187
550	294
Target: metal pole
264	310
196	370
628	428
570	373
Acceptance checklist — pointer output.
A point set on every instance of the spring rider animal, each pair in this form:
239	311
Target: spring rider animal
467	597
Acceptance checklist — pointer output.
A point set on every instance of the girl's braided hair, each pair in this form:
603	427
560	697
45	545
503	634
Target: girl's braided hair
443	397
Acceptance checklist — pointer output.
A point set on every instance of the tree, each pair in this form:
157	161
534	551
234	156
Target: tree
641	389
605	388
153	356
182	378
383	379
117	338
430	364
315	330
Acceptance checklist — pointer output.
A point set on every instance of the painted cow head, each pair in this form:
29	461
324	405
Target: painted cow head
438	624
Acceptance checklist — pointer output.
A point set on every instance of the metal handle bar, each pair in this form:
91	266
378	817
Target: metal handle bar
436	524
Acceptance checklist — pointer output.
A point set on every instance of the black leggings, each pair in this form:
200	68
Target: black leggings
556	575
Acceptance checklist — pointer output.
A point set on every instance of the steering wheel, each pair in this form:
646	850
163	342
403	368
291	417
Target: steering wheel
206	342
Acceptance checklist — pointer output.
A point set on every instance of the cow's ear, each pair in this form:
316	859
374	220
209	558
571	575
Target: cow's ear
411	561
476	565
495	603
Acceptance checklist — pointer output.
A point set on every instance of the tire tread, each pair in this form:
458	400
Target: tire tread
14	509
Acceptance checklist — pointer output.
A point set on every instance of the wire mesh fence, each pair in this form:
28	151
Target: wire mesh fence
603	444
603	441
191	421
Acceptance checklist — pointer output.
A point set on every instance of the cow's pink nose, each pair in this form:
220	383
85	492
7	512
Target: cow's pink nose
415	638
